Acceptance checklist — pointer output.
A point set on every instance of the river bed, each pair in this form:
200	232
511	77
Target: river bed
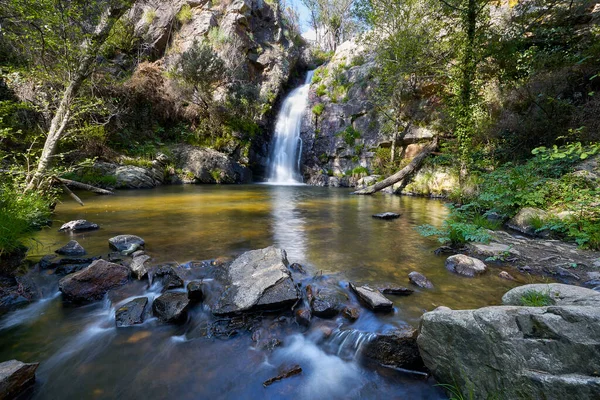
327	230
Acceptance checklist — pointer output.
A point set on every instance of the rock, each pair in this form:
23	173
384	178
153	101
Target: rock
131	313
92	282
171	307
135	177
465	265
522	222
138	253
258	279
195	290
561	295
73	248
78	226
386	215
442	308
492	249
15	378
351	313
303	316
295	267
395	349
167	276
396	290
209	166
325	306
510	352
506	275
138	266
420	280
125	242
372	298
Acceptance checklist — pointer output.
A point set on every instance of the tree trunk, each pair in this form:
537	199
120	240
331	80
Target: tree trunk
63	113
414	165
393	150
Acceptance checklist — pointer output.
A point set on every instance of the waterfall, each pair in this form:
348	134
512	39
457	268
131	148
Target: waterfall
284	165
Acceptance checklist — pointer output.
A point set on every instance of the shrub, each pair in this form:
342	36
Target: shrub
349	134
217	37
534	298
318	109
321	90
149	16
185	14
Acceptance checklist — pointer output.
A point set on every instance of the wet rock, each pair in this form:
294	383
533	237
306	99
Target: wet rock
303	316
167	276
258	279
15	378
506	275
78	226
138	253
465	265
529	352
73	248
522	222
126	243
561	295
396	349
131	313
351	313
420	280
171	307
386	215
92	282
372	298
195	290
139	267
325	302
295	267
396	290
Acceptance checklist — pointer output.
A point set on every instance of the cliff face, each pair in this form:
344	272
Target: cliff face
343	134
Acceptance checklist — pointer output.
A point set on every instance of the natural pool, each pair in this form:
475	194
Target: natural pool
83	355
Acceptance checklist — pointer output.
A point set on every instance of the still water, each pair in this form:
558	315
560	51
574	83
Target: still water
327	230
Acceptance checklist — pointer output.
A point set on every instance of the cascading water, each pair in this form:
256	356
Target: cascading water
284	166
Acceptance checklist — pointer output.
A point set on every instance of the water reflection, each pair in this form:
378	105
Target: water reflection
289	225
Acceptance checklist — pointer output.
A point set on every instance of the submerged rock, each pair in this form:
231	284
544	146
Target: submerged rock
303	317
506	275
15	378
131	313
386	215
510	352
195	290
73	248
92	282
171	307
78	225
558	293
325	302
465	265
258	279
395	349
351	313
138	266
372	298
126	243
420	280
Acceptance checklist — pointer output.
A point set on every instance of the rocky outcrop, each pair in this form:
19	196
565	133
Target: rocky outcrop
258	279
171	307
203	165
15	378
73	248
548	352
92	282
126	243
78	226
465	265
131	313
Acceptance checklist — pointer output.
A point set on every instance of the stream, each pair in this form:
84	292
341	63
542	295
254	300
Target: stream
329	231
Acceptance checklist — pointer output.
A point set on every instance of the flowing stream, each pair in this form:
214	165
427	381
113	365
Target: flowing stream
284	168
329	231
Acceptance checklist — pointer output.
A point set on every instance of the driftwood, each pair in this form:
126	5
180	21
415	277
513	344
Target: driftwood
413	166
295	370
73	195
83	186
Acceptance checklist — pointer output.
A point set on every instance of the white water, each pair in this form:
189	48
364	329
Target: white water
284	166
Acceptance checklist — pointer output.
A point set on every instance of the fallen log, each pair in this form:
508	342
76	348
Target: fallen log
83	186
413	166
295	370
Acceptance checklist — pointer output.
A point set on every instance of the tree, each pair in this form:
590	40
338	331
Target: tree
334	18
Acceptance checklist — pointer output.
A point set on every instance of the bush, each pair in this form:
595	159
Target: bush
534	298
318	109
349	134
321	90
185	14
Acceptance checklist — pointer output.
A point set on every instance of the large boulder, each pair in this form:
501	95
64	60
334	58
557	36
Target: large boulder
525	219
126	243
258	279
171	307
465	265
15	378
397	348
131	313
92	282
559	294
209	166
510	352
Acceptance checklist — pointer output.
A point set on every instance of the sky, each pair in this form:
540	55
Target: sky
307	32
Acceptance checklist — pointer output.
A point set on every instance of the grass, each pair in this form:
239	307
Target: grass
185	14
318	109
534	298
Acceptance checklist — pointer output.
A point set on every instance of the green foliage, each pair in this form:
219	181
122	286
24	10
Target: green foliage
185	14
568	151
93	177
216	175
349	134
321	90
359	172
217	37
318	109
358	60
149	16
122	39
534	298
460	227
